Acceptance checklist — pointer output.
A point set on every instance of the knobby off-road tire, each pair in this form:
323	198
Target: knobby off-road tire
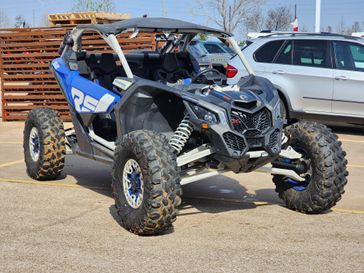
44	144
158	171
328	163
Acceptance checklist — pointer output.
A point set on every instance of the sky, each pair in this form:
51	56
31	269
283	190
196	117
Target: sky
333	11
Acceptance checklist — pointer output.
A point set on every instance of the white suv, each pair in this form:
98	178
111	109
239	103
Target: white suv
318	76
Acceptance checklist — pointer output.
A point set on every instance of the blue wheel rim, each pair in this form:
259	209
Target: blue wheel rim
298	185
133	185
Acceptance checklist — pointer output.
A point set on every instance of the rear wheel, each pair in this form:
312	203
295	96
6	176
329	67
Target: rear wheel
146	182
323	167
44	144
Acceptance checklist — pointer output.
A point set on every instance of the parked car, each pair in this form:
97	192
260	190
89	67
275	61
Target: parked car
317	75
211	53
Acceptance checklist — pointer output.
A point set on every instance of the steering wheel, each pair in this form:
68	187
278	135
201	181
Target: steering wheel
209	75
170	76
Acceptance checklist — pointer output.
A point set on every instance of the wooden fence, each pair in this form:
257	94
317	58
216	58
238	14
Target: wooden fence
26	81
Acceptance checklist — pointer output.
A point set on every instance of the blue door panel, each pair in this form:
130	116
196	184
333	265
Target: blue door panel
85	95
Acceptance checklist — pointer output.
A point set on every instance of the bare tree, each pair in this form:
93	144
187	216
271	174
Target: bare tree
228	14
4	20
329	29
341	28
93	5
44	22
279	18
20	22
255	21
354	28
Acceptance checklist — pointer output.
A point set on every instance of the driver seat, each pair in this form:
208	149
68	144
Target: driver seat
175	66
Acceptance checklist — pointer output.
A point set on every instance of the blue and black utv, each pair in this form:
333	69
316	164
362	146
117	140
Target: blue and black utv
162	122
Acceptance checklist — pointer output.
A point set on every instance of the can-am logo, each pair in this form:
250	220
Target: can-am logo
87	104
244	97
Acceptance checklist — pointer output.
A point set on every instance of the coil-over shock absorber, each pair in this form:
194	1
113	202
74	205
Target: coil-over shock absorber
182	134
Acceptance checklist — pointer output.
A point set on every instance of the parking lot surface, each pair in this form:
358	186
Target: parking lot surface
230	223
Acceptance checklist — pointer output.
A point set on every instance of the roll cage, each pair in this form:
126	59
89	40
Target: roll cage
167	29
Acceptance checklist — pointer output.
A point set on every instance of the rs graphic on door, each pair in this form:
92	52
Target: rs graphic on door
90	97
87	104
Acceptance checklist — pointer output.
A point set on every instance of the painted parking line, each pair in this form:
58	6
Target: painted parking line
66	185
356	166
53	184
11	163
353	211
351	140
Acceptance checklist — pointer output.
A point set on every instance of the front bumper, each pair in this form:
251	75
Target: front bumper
260	132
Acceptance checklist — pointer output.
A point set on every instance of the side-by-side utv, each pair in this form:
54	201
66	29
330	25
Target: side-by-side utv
161	121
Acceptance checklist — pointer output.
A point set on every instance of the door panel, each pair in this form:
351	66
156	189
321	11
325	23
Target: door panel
313	87
304	68
348	96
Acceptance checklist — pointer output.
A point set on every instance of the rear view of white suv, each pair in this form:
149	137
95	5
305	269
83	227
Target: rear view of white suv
318	76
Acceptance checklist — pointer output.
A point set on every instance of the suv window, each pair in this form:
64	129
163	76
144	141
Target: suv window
310	53
266	53
285	57
349	56
212	48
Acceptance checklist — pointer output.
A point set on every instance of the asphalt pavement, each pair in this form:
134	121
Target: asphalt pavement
230	223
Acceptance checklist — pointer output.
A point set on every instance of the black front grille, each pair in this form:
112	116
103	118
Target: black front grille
234	142
258	122
275	141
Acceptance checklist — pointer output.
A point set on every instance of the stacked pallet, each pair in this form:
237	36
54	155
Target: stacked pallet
26	80
68	19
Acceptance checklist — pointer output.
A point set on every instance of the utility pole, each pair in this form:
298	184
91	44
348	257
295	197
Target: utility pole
164	8
295	11
318	16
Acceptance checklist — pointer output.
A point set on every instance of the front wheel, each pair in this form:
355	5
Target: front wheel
146	182
323	167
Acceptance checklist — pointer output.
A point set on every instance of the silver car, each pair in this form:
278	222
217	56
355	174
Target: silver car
318	76
211	53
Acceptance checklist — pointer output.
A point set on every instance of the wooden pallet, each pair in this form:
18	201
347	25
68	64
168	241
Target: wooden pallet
68	19
26	81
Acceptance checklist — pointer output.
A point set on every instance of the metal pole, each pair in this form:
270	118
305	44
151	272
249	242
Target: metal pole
295	11
164	8
318	16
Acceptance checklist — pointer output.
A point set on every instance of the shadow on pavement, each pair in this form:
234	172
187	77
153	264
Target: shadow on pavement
221	194
89	174
214	195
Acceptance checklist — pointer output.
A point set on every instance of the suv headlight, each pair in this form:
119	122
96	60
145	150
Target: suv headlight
204	114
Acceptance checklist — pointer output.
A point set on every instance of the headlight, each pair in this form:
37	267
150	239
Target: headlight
205	115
